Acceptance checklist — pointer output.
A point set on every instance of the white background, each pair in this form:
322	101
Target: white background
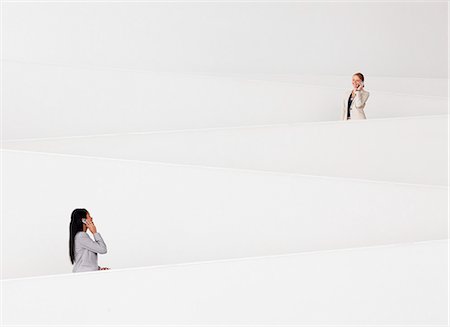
83	69
154	214
94	68
378	38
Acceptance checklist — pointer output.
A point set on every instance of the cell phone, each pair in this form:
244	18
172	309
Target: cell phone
83	220
361	84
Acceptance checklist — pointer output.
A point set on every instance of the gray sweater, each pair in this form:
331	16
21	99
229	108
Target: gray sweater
86	252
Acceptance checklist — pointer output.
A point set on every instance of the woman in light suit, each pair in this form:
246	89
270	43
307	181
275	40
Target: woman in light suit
355	101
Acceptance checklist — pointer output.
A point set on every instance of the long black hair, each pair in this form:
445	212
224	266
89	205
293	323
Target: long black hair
76	225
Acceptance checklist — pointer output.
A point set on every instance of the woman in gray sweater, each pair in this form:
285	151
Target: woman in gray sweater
82	249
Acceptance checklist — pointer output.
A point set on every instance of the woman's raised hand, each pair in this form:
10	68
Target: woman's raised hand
91	226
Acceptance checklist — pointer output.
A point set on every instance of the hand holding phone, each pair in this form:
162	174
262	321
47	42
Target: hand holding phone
91	226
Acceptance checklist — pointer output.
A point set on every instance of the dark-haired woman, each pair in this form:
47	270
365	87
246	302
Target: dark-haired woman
82	249
355	101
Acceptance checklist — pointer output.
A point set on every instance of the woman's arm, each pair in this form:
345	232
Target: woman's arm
360	99
98	246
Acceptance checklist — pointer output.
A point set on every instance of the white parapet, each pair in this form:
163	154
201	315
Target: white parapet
406	150
398	285
151	214
68	101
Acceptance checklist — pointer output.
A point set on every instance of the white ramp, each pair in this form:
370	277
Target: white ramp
152	214
399	285
410	150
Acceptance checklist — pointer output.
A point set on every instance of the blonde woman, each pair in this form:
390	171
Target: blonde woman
355	101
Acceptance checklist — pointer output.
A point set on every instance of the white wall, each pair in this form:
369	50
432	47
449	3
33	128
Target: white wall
379	38
406	150
152	214
94	68
161	66
50	101
402	285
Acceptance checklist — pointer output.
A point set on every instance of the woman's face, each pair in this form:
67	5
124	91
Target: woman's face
88	217
356	81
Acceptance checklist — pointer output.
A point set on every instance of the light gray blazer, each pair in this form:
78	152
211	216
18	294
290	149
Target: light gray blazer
86	252
357	106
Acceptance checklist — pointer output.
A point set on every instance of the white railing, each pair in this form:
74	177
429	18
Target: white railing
403	284
67	101
153	214
406	150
